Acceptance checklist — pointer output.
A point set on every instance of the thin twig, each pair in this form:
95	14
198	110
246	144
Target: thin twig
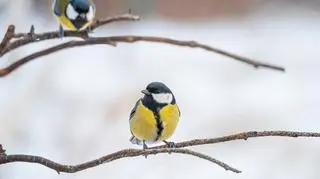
108	158
25	38
194	44
113	40
2	151
154	150
124	17
7	37
242	136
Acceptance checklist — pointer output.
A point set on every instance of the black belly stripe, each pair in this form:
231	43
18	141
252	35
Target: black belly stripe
159	125
155	108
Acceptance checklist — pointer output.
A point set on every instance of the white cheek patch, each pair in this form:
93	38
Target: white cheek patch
71	12
163	98
91	13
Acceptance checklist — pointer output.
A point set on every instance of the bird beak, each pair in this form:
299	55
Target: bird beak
83	16
146	92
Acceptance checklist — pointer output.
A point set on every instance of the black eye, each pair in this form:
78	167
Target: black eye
153	90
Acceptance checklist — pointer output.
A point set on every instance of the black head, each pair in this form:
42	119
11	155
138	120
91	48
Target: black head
156	88
80	12
158	92
81	6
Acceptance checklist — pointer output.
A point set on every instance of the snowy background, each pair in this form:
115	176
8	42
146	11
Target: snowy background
73	106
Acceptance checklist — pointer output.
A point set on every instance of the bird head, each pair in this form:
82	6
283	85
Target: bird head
159	92
80	12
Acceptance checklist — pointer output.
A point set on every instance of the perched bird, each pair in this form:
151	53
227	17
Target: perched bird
76	15
155	116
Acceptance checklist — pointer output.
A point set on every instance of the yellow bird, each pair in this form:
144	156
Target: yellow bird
155	116
75	15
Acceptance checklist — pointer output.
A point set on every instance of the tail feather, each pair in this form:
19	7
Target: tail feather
136	141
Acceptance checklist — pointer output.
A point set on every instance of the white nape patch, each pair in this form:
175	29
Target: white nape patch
91	13
71	13
163	98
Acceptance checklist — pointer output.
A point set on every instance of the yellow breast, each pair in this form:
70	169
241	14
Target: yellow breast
143	124
66	23
169	115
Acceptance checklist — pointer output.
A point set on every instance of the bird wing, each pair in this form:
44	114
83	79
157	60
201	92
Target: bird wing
133	139
134	109
179	110
59	7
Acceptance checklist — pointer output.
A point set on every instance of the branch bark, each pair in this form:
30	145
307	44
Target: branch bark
113	40
108	158
12	41
22	39
179	148
242	136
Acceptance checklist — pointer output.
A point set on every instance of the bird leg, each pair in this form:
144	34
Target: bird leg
145	147
170	144
61	32
89	29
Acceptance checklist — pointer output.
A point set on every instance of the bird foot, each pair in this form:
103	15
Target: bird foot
170	144
89	30
61	32
145	147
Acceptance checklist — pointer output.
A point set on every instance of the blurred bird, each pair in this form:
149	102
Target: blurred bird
155	116
76	15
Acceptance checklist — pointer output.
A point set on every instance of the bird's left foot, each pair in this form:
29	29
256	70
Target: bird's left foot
170	144
89	30
144	148
61	32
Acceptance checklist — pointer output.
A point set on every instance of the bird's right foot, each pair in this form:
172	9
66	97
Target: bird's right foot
61	32
144	148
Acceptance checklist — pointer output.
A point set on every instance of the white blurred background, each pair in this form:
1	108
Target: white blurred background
73	106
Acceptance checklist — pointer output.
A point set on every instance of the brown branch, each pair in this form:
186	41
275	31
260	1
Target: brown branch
26	38
107	158
124	17
7	37
113	40
4	158
2	151
242	136
22	39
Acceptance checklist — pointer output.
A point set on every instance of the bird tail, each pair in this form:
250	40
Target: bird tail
135	140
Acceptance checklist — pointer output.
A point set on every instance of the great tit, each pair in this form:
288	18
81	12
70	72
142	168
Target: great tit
76	15
155	116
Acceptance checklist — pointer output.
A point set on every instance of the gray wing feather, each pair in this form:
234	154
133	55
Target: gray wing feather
56	7
134	109
133	139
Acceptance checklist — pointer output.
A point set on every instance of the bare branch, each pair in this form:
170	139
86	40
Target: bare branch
194	44
4	158
22	39
107	158
124	17
26	38
2	151
7	37
242	136
113	40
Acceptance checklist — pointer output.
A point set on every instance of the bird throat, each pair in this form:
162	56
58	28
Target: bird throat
79	22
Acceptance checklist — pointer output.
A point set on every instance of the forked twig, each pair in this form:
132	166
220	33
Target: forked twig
108	158
12	41
113	40
179	148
